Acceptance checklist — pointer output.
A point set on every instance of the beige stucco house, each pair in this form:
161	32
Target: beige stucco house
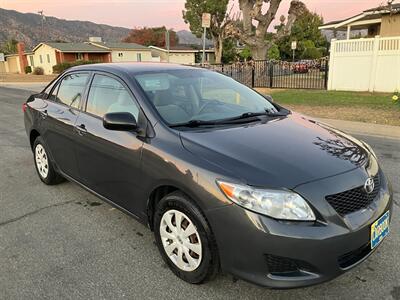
381	21
125	52
183	55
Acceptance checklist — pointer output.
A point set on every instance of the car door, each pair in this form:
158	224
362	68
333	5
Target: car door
58	119
109	161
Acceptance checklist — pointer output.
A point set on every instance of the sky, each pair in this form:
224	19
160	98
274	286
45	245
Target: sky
139	13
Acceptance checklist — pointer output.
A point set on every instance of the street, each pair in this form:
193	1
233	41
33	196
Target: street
63	242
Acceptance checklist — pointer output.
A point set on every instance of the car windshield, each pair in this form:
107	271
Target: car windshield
197	95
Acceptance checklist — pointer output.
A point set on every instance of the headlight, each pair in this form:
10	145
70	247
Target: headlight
278	204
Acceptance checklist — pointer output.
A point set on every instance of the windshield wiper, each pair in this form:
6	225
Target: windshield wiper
243	118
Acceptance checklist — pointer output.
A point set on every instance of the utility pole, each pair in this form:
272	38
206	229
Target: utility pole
41	13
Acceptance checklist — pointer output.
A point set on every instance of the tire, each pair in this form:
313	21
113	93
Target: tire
203	264
43	164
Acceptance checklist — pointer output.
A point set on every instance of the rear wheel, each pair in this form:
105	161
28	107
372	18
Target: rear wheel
184	239
44	166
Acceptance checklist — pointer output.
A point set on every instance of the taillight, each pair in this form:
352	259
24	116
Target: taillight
24	107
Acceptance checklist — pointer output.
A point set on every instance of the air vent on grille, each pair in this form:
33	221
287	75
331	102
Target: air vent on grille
354	199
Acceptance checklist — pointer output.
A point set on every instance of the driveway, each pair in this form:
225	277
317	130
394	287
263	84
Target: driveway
63	242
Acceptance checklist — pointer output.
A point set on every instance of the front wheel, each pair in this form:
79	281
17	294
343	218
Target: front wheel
44	166
184	239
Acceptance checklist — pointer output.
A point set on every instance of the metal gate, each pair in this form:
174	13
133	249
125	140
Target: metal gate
304	74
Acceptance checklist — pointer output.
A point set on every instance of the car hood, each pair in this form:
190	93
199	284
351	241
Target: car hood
283	152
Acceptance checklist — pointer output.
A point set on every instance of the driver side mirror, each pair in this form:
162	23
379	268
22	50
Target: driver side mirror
120	121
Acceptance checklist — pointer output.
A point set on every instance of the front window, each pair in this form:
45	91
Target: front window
139	56
182	96
108	95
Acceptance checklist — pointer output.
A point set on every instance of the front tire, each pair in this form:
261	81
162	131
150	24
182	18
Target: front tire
185	240
44	165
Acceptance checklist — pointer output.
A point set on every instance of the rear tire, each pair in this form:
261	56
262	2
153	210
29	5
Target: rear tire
189	249
43	164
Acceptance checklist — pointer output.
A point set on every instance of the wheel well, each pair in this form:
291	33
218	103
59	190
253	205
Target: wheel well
34	134
155	197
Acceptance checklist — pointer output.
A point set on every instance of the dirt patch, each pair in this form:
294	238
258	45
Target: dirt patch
349	113
26	78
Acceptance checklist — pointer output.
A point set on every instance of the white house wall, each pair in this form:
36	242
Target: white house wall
130	55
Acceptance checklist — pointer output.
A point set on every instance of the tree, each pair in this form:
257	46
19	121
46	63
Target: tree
274	53
192	15
229	51
151	36
256	38
9	47
305	31
245	54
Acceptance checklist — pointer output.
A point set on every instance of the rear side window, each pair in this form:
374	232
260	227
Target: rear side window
108	95
71	89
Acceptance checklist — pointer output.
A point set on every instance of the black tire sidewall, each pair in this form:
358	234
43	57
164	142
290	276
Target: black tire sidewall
209	264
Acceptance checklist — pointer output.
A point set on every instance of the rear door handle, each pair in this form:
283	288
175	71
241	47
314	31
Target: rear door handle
81	129
43	114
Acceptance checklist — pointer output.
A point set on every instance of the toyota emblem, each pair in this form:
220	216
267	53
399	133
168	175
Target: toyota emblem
369	185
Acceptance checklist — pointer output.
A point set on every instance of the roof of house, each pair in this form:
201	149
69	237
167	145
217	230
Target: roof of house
120	46
180	49
369	16
74	47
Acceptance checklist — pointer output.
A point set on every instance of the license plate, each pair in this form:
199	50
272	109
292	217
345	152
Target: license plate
379	230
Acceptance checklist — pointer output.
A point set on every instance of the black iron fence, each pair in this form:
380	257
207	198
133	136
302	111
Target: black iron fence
305	74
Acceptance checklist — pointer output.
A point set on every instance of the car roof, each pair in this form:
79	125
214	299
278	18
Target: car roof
132	68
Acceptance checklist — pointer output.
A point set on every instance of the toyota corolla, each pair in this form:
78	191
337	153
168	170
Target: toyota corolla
227	179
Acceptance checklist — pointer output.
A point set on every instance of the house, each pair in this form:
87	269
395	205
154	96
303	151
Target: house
125	52
383	21
367	64
48	54
183	55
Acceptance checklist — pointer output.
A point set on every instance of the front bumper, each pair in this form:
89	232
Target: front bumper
281	254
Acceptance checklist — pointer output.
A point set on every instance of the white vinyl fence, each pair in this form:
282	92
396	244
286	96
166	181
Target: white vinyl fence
365	65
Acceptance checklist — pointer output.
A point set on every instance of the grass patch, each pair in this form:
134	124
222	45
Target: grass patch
354	106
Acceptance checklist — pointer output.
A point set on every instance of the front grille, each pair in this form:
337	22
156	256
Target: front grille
279	265
351	258
354	199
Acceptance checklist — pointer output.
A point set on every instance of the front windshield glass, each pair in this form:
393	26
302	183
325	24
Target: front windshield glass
182	96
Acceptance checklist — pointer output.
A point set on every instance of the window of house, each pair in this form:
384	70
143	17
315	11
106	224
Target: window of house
71	89
31	61
41	59
48	58
79	56
108	95
120	54
139	56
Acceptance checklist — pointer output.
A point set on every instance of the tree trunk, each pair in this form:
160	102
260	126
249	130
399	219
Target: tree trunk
259	51
218	49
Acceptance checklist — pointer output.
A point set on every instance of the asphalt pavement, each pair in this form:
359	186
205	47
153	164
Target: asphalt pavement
61	242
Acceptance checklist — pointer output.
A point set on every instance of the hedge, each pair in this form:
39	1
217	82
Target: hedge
61	67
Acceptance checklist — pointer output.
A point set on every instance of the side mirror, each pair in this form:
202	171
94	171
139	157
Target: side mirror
121	121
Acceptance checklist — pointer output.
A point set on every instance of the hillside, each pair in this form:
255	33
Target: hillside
27	27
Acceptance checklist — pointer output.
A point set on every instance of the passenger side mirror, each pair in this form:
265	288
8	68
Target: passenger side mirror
121	121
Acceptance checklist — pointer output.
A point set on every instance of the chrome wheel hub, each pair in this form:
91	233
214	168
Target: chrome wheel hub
181	240
41	161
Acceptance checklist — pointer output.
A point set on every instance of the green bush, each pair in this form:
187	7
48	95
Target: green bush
38	71
61	67
28	69
274	53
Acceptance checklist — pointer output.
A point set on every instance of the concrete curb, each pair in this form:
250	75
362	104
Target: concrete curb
361	128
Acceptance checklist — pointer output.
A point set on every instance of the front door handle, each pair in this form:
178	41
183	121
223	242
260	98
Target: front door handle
81	129
44	114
